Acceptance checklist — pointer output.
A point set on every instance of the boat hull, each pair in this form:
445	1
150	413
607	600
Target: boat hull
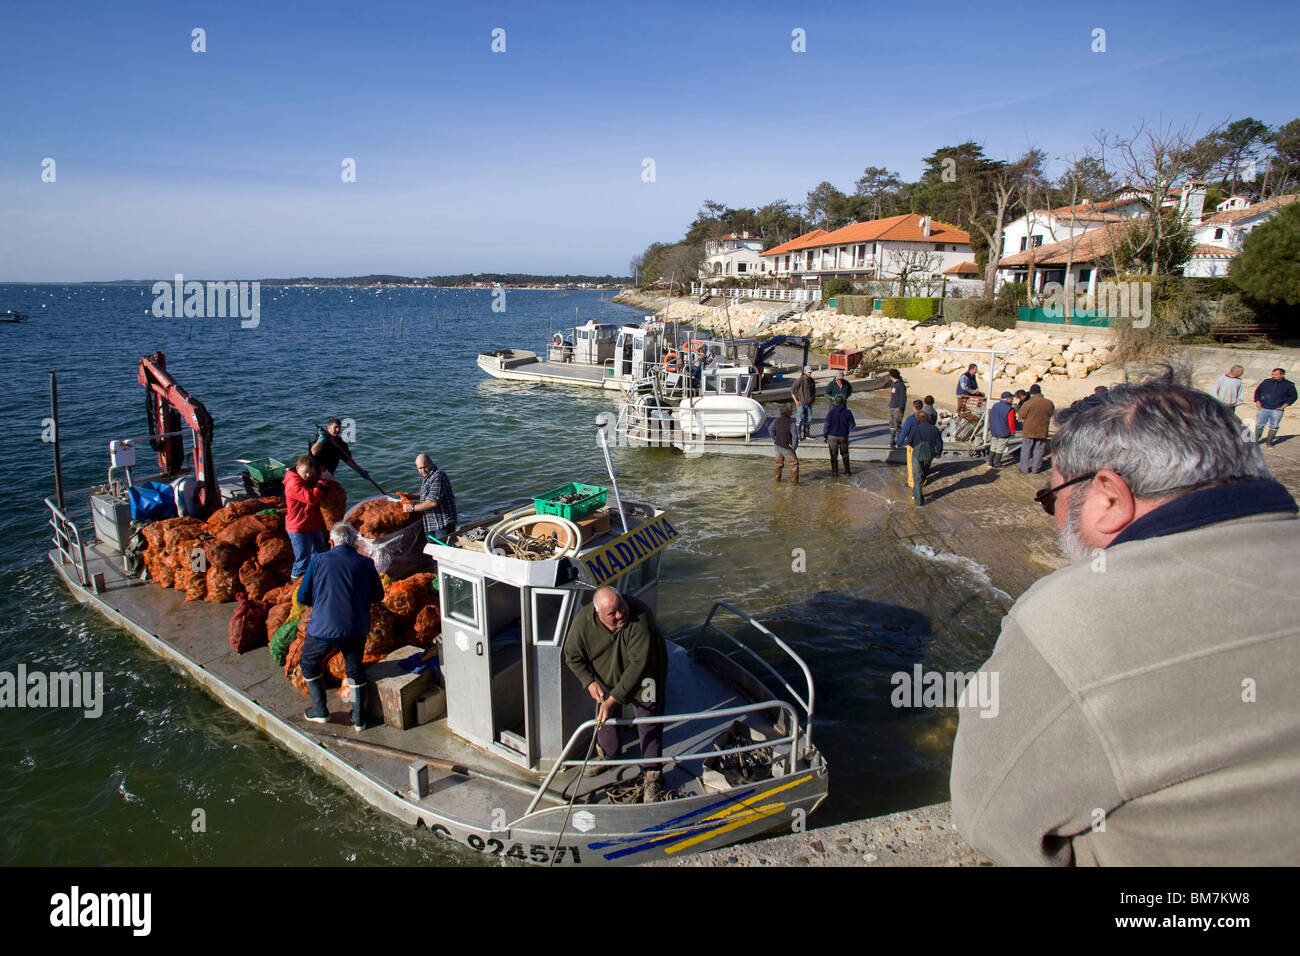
594	834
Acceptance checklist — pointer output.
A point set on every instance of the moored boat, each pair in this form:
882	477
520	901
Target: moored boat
500	769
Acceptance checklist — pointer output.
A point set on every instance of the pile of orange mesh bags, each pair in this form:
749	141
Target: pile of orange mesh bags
379	517
242	548
407	615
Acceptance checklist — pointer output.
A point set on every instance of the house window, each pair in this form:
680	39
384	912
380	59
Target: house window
740	267
1024	243
938	247
1218	234
1038	241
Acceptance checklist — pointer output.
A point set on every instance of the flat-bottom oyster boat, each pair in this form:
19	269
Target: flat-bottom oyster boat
501	770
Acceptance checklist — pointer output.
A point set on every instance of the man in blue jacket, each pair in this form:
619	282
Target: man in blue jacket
1002	426
1272	396
926	443
339	587
839	420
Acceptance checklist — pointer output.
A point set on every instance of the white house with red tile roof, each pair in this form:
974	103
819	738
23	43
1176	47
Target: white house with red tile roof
870	250
1219	237
731	256
1209	261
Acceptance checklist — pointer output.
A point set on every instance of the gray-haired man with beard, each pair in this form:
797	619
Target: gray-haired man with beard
1149	712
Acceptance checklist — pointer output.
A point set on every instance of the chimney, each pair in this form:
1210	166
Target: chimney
1192	202
925	226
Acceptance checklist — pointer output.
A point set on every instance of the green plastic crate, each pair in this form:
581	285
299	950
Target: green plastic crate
594	497
266	469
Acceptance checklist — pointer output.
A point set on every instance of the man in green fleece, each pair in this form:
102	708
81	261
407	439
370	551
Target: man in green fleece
1148	714
616	650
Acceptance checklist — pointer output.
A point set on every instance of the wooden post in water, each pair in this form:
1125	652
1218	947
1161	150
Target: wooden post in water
54	418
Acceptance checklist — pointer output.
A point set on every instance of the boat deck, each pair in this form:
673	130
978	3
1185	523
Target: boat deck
193	636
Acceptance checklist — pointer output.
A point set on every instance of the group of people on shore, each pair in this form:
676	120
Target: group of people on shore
1272	397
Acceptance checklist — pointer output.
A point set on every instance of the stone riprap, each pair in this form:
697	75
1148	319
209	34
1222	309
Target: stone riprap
1040	356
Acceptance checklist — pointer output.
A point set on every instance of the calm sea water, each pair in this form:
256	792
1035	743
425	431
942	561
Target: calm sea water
122	789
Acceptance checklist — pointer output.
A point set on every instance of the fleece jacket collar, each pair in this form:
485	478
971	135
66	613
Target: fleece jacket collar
1240	499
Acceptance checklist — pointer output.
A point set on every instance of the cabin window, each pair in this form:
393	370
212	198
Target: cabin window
710	383
458	600
744	384
640	577
548	617
729	386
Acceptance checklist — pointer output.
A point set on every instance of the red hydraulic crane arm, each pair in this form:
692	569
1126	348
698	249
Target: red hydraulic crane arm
169	407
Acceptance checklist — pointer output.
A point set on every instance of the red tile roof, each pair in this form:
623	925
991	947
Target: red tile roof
1203	251
1232	215
904	228
962	269
1087	247
807	240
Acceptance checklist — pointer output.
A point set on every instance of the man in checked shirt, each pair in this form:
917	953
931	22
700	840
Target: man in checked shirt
437	501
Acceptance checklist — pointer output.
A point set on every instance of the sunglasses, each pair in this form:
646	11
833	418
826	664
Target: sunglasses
1047	497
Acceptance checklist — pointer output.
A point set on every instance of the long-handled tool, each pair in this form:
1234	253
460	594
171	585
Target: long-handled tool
365	474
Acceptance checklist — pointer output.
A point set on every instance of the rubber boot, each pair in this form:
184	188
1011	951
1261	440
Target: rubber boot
317	713
835	466
1259	434
995	459
652	788
794	473
1272	437
597	771
779	466
358	706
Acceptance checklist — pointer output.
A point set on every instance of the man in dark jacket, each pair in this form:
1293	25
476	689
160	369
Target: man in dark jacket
927	444
618	653
839	420
1272	396
785	439
1002	426
339	587
1036	414
917	406
897	405
804	394
840	388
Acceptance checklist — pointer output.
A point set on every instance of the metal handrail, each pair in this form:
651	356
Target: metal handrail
565	761
65	538
806	704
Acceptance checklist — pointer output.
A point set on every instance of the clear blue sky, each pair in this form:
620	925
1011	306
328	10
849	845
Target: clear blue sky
226	164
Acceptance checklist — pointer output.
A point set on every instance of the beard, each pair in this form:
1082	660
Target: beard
1070	538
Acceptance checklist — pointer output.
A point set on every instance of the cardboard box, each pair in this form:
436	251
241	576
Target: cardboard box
590	527
396	690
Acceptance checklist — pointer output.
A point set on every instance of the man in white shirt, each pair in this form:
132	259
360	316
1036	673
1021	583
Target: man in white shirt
1227	388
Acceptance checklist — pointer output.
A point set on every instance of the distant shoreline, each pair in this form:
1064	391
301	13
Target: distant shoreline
553	284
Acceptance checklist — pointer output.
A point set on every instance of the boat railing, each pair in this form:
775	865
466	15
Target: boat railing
67	539
804	700
791	738
696	424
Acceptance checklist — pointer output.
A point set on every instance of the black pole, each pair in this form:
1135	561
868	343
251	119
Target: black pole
54	415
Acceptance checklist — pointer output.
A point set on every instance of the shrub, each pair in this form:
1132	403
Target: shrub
833	288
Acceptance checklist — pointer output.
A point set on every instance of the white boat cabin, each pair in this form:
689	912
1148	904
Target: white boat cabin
504	622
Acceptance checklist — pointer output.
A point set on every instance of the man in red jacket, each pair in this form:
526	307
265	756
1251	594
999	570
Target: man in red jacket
303	492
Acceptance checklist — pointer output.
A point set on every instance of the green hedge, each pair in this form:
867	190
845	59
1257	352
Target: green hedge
853	304
834	288
915	308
